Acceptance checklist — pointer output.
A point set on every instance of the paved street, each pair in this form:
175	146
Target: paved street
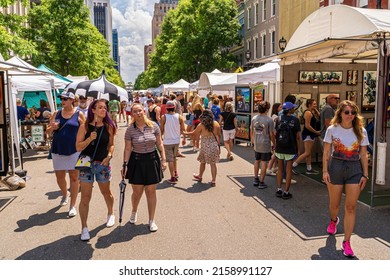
233	220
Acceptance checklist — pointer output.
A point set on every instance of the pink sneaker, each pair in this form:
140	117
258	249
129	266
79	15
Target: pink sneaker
347	250
332	227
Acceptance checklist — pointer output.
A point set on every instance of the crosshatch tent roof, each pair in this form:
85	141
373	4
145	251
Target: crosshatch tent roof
339	32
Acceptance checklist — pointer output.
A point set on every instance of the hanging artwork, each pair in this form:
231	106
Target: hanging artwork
301	99
243	99
258	96
352	95
352	77
369	91
320	77
243	124
322	99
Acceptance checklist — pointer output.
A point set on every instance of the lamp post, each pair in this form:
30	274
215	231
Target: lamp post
282	44
248	57
67	63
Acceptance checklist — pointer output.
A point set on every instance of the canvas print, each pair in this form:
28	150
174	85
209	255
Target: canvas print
322	99
243	124
243	99
258	96
352	95
301	103
352	77
2	111
320	77
30	142
369	91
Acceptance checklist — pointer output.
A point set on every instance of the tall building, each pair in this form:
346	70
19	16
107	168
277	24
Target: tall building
115	50
16	8
89	4
147	50
103	19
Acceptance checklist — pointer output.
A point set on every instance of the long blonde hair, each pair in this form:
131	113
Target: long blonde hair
357	122
148	122
197	100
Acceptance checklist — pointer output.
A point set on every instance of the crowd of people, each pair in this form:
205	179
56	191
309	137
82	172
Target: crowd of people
156	126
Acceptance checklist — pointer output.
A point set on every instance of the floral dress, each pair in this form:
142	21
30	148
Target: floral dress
209	150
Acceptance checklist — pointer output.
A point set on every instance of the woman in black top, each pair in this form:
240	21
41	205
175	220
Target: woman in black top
229	128
95	139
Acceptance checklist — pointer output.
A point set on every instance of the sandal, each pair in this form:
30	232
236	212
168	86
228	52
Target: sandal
197	178
213	184
231	157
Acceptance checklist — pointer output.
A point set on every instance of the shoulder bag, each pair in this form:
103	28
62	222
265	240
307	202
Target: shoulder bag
84	162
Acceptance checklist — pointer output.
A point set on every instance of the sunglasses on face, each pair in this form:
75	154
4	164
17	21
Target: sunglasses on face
347	112
64	98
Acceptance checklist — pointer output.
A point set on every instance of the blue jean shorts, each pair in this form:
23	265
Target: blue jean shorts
98	172
342	172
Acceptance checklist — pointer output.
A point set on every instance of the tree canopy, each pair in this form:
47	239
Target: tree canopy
195	37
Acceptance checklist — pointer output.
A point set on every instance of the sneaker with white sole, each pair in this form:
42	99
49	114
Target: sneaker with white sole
292	181
312	172
262	185
332	227
152	226
269	172
65	199
110	220
85	235
72	212
133	218
347	249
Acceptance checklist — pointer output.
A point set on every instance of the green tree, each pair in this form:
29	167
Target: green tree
194	38
68	42
12	40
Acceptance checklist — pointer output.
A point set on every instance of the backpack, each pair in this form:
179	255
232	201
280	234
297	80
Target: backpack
284	134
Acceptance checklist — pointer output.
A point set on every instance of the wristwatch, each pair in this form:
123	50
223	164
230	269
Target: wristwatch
365	177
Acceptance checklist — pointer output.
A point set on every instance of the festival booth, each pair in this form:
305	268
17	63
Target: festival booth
344	50
180	85
14	78
218	83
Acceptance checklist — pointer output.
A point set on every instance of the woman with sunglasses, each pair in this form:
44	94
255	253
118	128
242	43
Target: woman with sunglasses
64	125
95	139
345	165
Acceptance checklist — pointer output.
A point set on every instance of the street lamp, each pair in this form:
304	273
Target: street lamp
248	55
67	63
282	44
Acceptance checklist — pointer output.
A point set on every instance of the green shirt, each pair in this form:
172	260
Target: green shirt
114	106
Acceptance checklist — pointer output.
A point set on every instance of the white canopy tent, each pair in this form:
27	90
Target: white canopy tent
345	34
219	83
180	85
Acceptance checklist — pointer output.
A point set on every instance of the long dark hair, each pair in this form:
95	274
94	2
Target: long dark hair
275	109
207	119
107	121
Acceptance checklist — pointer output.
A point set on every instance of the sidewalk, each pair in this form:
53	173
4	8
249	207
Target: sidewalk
233	220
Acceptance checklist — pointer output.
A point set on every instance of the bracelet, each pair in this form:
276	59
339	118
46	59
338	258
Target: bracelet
124	164
364	176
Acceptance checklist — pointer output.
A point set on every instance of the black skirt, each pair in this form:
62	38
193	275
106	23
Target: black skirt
144	169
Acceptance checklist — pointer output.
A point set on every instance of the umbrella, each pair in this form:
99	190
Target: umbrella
122	188
98	89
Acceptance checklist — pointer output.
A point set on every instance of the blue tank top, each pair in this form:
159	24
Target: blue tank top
64	139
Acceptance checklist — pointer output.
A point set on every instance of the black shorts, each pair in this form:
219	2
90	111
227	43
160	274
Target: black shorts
343	172
263	156
144	169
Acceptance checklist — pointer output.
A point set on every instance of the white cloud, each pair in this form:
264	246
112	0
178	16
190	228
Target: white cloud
133	19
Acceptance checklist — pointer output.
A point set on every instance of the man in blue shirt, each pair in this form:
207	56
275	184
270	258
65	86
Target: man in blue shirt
23	113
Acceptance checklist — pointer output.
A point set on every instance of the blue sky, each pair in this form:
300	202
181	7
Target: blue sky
133	19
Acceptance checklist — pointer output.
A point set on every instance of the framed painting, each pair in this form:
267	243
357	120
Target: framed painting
320	77
243	99
352	77
258	96
322	99
352	95
2	95
243	124
369	91
301	103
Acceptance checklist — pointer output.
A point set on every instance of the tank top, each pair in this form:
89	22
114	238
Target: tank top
153	114
172	129
313	123
102	148
64	139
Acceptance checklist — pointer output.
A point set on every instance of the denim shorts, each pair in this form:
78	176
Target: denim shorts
100	172
342	172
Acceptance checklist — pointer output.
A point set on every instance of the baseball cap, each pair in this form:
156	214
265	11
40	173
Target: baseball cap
179	93
288	106
170	104
67	94
150	100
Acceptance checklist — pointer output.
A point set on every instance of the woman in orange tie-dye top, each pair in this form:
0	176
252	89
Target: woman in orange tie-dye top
345	164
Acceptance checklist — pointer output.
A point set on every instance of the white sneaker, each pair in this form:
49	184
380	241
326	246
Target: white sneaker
270	172
152	226
292	181
85	235
65	199
110	220
133	218
72	212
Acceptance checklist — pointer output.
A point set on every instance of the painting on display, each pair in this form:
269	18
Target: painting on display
243	124
352	77
243	99
301	103
2	112
322	99
258	96
352	95
320	77
369	91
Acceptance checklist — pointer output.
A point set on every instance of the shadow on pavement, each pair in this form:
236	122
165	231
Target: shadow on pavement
67	248
329	251
121	234
41	219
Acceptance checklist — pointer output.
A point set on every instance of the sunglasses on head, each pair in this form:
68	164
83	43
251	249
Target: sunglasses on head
347	112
